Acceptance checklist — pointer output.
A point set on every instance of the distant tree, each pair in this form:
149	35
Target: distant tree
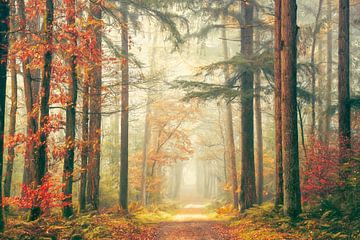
329	72
4	43
230	155
290	152
13	108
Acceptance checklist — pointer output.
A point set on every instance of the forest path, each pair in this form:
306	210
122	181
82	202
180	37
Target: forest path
190	223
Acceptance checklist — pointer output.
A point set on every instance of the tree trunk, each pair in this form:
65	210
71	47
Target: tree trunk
259	137
70	119
4	43
124	107
329	74
95	76
344	85
147	137
313	72
85	148
248	189
259	140
229	128
292	197
28	174
40	161
13	109
279	196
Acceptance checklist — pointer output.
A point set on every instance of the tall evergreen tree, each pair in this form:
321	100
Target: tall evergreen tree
247	185
290	151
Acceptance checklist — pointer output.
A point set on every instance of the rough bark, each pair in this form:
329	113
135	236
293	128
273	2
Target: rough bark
344	84
229	129
70	118
124	107
279	196
13	108
95	76
85	147
4	43
329	73
247	186
292	197
41	159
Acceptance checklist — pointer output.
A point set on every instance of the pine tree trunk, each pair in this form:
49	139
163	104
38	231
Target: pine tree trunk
70	119
85	148
344	84
13	109
4	43
40	161
95	76
124	107
279	196
292	197
329	73
229	129
247	186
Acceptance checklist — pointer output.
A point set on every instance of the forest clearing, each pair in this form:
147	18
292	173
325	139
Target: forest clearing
179	119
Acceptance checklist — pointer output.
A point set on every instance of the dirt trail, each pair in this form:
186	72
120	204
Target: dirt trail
190	223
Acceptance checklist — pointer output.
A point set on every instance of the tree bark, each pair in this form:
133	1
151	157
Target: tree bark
85	139
344	84
259	140
40	161
259	136
292	197
13	109
4	43
70	118
329	73
229	128
247	186
124	107
95	76
28	174
279	196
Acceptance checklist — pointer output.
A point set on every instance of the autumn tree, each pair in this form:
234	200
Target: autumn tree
40	160
13	108
4	48
95	81
70	113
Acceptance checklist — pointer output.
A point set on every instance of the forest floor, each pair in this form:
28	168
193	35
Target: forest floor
194	221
